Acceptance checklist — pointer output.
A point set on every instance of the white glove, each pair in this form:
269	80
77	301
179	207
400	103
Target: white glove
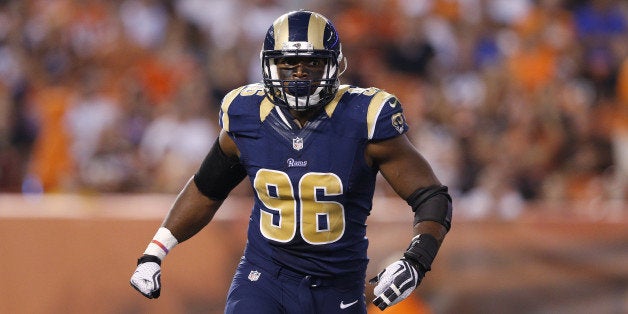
395	283
147	276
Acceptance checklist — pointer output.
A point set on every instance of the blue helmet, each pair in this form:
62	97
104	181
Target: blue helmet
301	34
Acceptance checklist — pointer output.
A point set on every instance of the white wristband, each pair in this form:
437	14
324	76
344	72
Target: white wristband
162	243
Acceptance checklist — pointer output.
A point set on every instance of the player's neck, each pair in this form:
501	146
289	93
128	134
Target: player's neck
302	117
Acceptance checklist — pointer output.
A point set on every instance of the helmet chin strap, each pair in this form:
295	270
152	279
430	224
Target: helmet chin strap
301	103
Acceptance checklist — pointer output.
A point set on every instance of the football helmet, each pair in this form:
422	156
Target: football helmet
301	34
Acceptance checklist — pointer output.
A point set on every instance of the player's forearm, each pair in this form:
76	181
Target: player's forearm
432	219
432	228
190	212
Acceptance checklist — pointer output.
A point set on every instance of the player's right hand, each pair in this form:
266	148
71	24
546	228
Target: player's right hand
147	276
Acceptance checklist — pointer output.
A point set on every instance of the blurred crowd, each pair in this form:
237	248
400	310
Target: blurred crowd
511	101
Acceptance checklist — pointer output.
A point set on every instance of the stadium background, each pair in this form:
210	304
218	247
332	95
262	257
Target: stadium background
521	106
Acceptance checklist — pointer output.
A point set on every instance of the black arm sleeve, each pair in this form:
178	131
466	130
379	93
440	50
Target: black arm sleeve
218	174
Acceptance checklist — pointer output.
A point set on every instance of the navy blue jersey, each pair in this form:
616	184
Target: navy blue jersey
313	187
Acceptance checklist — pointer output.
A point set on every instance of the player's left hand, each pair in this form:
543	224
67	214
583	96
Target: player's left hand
396	282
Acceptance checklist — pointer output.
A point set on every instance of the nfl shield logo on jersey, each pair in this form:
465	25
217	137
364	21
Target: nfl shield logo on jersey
254	275
297	143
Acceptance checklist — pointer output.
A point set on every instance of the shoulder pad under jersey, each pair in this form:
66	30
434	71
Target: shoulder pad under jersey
242	109
369	112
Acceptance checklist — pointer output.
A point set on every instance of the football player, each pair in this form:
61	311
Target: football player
311	149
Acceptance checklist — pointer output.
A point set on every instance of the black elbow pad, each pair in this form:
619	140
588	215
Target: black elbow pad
218	174
432	203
